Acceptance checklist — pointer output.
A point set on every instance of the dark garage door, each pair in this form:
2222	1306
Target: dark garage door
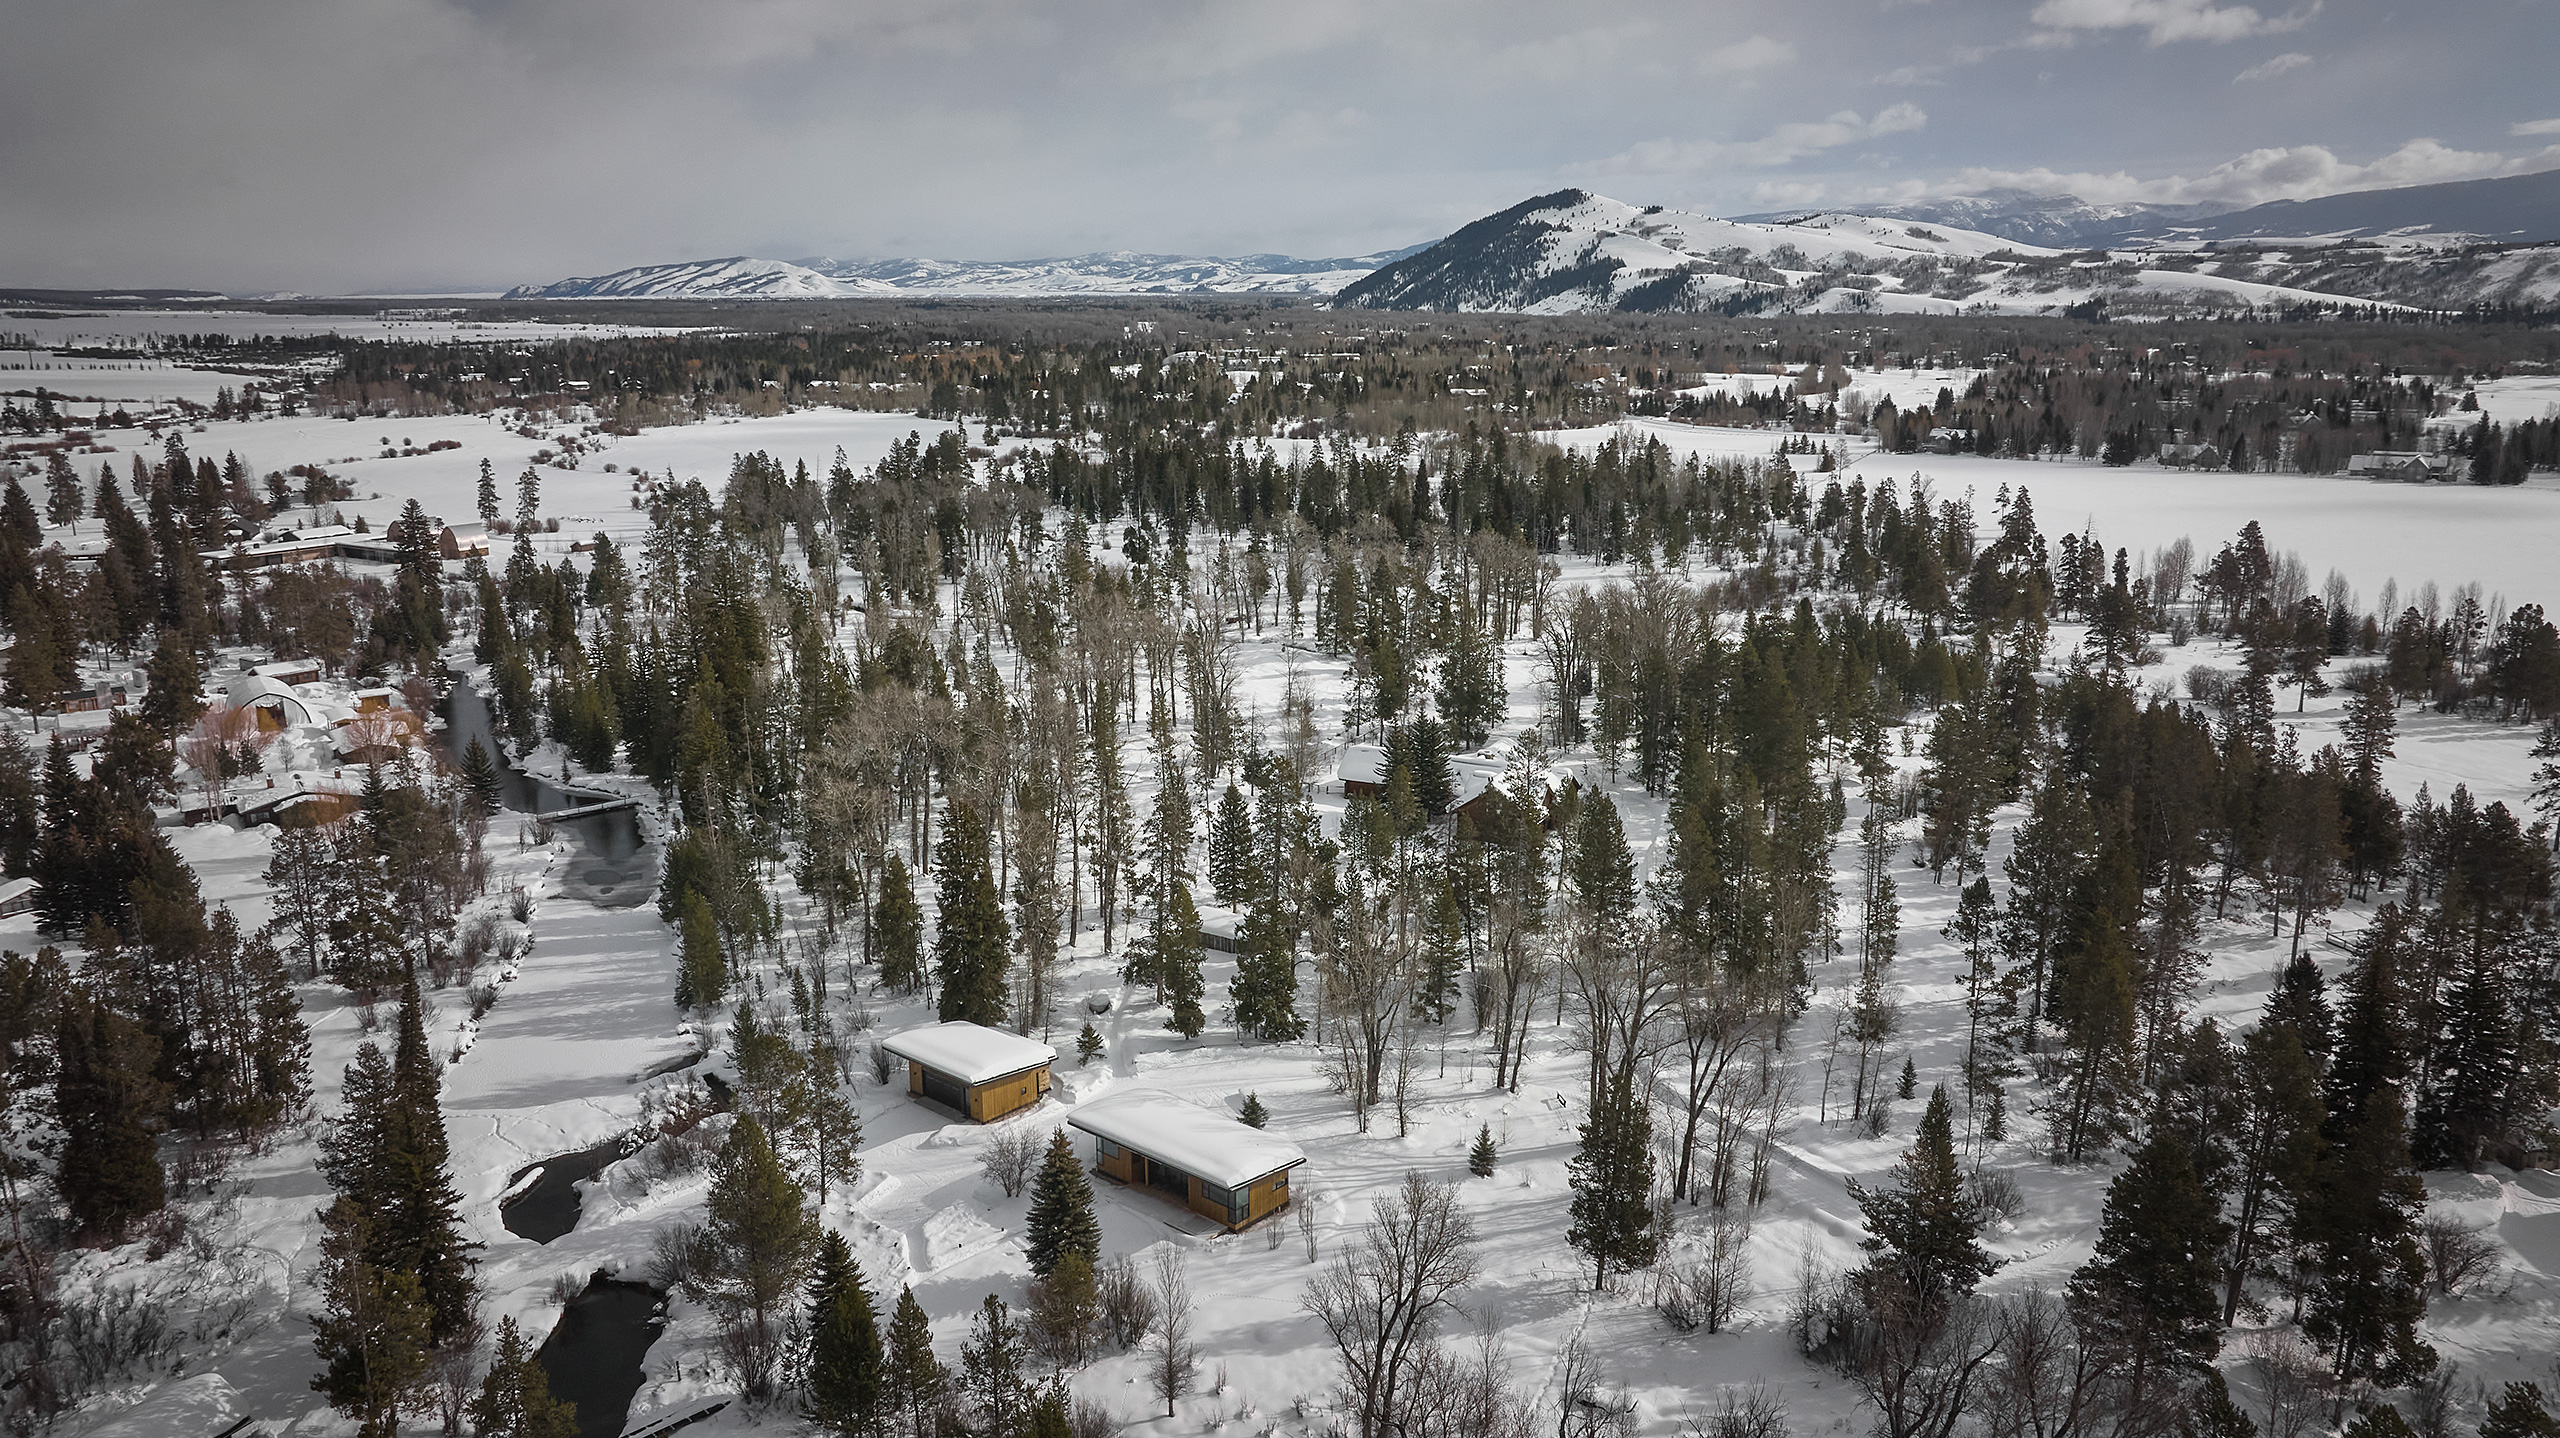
943	1088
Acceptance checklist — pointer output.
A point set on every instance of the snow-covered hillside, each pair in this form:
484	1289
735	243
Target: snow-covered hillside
1117	272
1575	252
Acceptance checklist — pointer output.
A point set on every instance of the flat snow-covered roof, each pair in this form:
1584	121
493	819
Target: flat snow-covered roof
1209	1142
971	1053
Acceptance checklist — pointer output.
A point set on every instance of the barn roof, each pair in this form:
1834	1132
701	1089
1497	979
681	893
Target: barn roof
971	1053
1208	1142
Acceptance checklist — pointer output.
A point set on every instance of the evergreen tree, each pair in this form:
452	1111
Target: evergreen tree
61	489
1602	871
373	1332
175	687
991	1378
515	1397
970	948
1481	1155
1471	694
2300	1001
488	495
1264	987
2368	1275
845	1358
1253	1113
2211	1412
2477	1072
413	1212
1088	1044
1910	1081
1176	952
755	1248
897	930
2519	1412
702	973
1612	1178
480	776
1061	1219
1233	875
1444	955
2148	1291
105	1098
2380	1421
916	1382
1924	1229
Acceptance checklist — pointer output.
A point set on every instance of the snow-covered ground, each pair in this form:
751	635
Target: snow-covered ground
562	1061
2445	534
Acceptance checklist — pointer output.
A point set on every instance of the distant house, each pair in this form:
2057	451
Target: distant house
17	896
89	701
982	1072
376	699
2403	466
1205	1159
290	671
278	707
376	736
1363	770
1220	929
461	541
2190	456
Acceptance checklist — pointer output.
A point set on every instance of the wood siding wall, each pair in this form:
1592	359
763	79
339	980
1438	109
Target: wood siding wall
1265	1196
991	1101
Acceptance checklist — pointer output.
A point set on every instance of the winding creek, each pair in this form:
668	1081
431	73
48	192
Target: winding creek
594	1355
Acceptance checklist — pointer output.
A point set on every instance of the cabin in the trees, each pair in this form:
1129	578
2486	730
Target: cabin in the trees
1221	929
1364	771
17	896
982	1072
1205	1159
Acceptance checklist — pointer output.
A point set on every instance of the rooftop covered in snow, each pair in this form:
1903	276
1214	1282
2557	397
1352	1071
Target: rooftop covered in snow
1208	1143
971	1053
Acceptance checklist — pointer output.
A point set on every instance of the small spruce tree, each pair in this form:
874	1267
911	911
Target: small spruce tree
1925	1230
515	1396
1254	1115
1480	1157
1910	1080
916	1380
845	1360
1061	1219
1088	1044
1612	1179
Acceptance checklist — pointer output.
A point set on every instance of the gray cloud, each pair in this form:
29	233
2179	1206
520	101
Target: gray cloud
338	145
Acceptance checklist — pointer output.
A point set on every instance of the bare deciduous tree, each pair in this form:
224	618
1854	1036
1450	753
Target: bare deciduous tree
1175	1359
1381	1302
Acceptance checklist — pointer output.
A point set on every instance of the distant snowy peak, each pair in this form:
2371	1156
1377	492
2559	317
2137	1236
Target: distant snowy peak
2060	221
736	278
1574	251
1110	273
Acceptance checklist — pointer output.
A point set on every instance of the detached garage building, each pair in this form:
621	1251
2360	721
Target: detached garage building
982	1072
1205	1159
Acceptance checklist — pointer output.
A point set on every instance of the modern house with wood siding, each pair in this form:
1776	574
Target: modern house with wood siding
1203	1158
982	1072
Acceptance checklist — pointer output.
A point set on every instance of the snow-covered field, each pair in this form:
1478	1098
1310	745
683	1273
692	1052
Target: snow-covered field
110	328
2503	537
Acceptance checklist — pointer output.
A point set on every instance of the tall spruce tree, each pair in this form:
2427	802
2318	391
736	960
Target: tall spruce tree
1444	954
1924	1229
1264	986
845	1358
1061	1219
1176	953
970	948
1612	1178
2148	1291
991	1376
702	969
756	1248
374	1329
897	930
1234	877
917	1383
105	1099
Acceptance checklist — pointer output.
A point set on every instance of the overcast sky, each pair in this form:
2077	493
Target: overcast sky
345	145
